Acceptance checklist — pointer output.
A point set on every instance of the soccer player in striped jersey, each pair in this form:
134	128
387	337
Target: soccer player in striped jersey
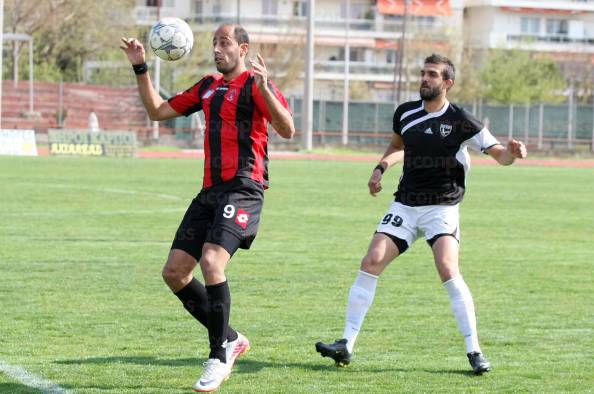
432	136
237	103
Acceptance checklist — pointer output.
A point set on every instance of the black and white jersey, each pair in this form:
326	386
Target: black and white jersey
435	152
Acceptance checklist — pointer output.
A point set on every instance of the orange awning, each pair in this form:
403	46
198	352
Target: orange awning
386	44
416	7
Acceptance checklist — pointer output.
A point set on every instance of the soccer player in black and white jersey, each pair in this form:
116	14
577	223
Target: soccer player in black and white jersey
432	136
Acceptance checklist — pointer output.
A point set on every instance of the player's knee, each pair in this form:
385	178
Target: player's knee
372	264
447	270
172	273
168	274
209	265
448	275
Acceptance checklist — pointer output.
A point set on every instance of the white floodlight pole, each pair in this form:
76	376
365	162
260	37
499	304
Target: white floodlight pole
158	89
307	118
345	99
157	77
31	108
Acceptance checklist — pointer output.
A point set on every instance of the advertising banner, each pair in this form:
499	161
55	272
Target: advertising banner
18	142
83	143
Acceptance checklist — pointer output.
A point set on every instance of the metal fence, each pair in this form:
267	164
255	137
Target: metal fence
543	126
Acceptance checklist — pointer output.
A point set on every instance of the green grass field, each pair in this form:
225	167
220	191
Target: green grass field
83	304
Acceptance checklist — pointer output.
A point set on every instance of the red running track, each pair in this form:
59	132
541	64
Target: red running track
199	154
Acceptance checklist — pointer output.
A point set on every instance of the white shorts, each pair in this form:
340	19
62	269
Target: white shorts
407	223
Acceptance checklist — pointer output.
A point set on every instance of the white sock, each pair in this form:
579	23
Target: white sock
360	299
463	308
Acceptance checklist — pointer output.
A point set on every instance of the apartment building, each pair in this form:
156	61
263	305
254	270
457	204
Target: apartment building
375	27
374	32
551	26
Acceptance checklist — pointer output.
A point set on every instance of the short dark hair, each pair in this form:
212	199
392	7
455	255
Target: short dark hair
449	71
239	33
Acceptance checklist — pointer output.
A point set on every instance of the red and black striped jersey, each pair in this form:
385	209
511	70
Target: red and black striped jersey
236	132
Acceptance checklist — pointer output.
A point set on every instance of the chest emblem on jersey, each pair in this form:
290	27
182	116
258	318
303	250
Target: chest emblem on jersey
445	129
207	94
231	95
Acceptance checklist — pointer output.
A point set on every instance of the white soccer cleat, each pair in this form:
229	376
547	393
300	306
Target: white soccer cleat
236	348
215	373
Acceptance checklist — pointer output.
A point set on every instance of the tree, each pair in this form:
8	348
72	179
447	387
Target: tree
468	87
26	16
578	69
519	77
285	59
66	32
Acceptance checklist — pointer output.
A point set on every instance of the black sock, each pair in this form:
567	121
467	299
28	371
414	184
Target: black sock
195	301
219	300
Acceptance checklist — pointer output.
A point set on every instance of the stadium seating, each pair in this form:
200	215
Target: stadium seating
117	108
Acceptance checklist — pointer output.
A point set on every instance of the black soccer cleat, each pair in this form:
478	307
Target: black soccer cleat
336	351
478	362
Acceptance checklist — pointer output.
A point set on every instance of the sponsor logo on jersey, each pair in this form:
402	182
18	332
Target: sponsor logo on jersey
445	129
242	218
208	93
428	130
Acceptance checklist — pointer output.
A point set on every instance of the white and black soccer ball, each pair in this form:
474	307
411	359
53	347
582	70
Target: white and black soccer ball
171	39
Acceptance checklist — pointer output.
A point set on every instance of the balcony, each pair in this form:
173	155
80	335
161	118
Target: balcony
333	26
337	66
586	5
555	39
546	43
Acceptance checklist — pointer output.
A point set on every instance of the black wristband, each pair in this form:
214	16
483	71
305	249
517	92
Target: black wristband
140	69
380	168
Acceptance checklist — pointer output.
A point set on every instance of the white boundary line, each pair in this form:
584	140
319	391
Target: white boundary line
31	380
107	190
102	213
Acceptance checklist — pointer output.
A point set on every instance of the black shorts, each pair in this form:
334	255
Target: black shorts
227	214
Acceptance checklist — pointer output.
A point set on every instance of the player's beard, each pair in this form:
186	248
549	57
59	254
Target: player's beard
227	67
427	93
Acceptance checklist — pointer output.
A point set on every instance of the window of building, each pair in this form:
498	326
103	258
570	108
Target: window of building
164	3
198	7
356	11
557	27
357	54
530	25
300	8
270	7
391	56
421	20
216	7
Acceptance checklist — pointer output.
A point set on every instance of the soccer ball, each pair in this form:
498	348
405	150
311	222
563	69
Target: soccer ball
171	39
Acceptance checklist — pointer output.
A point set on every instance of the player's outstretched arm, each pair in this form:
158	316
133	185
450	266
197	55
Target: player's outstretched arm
156	107
506	156
394	153
282	121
